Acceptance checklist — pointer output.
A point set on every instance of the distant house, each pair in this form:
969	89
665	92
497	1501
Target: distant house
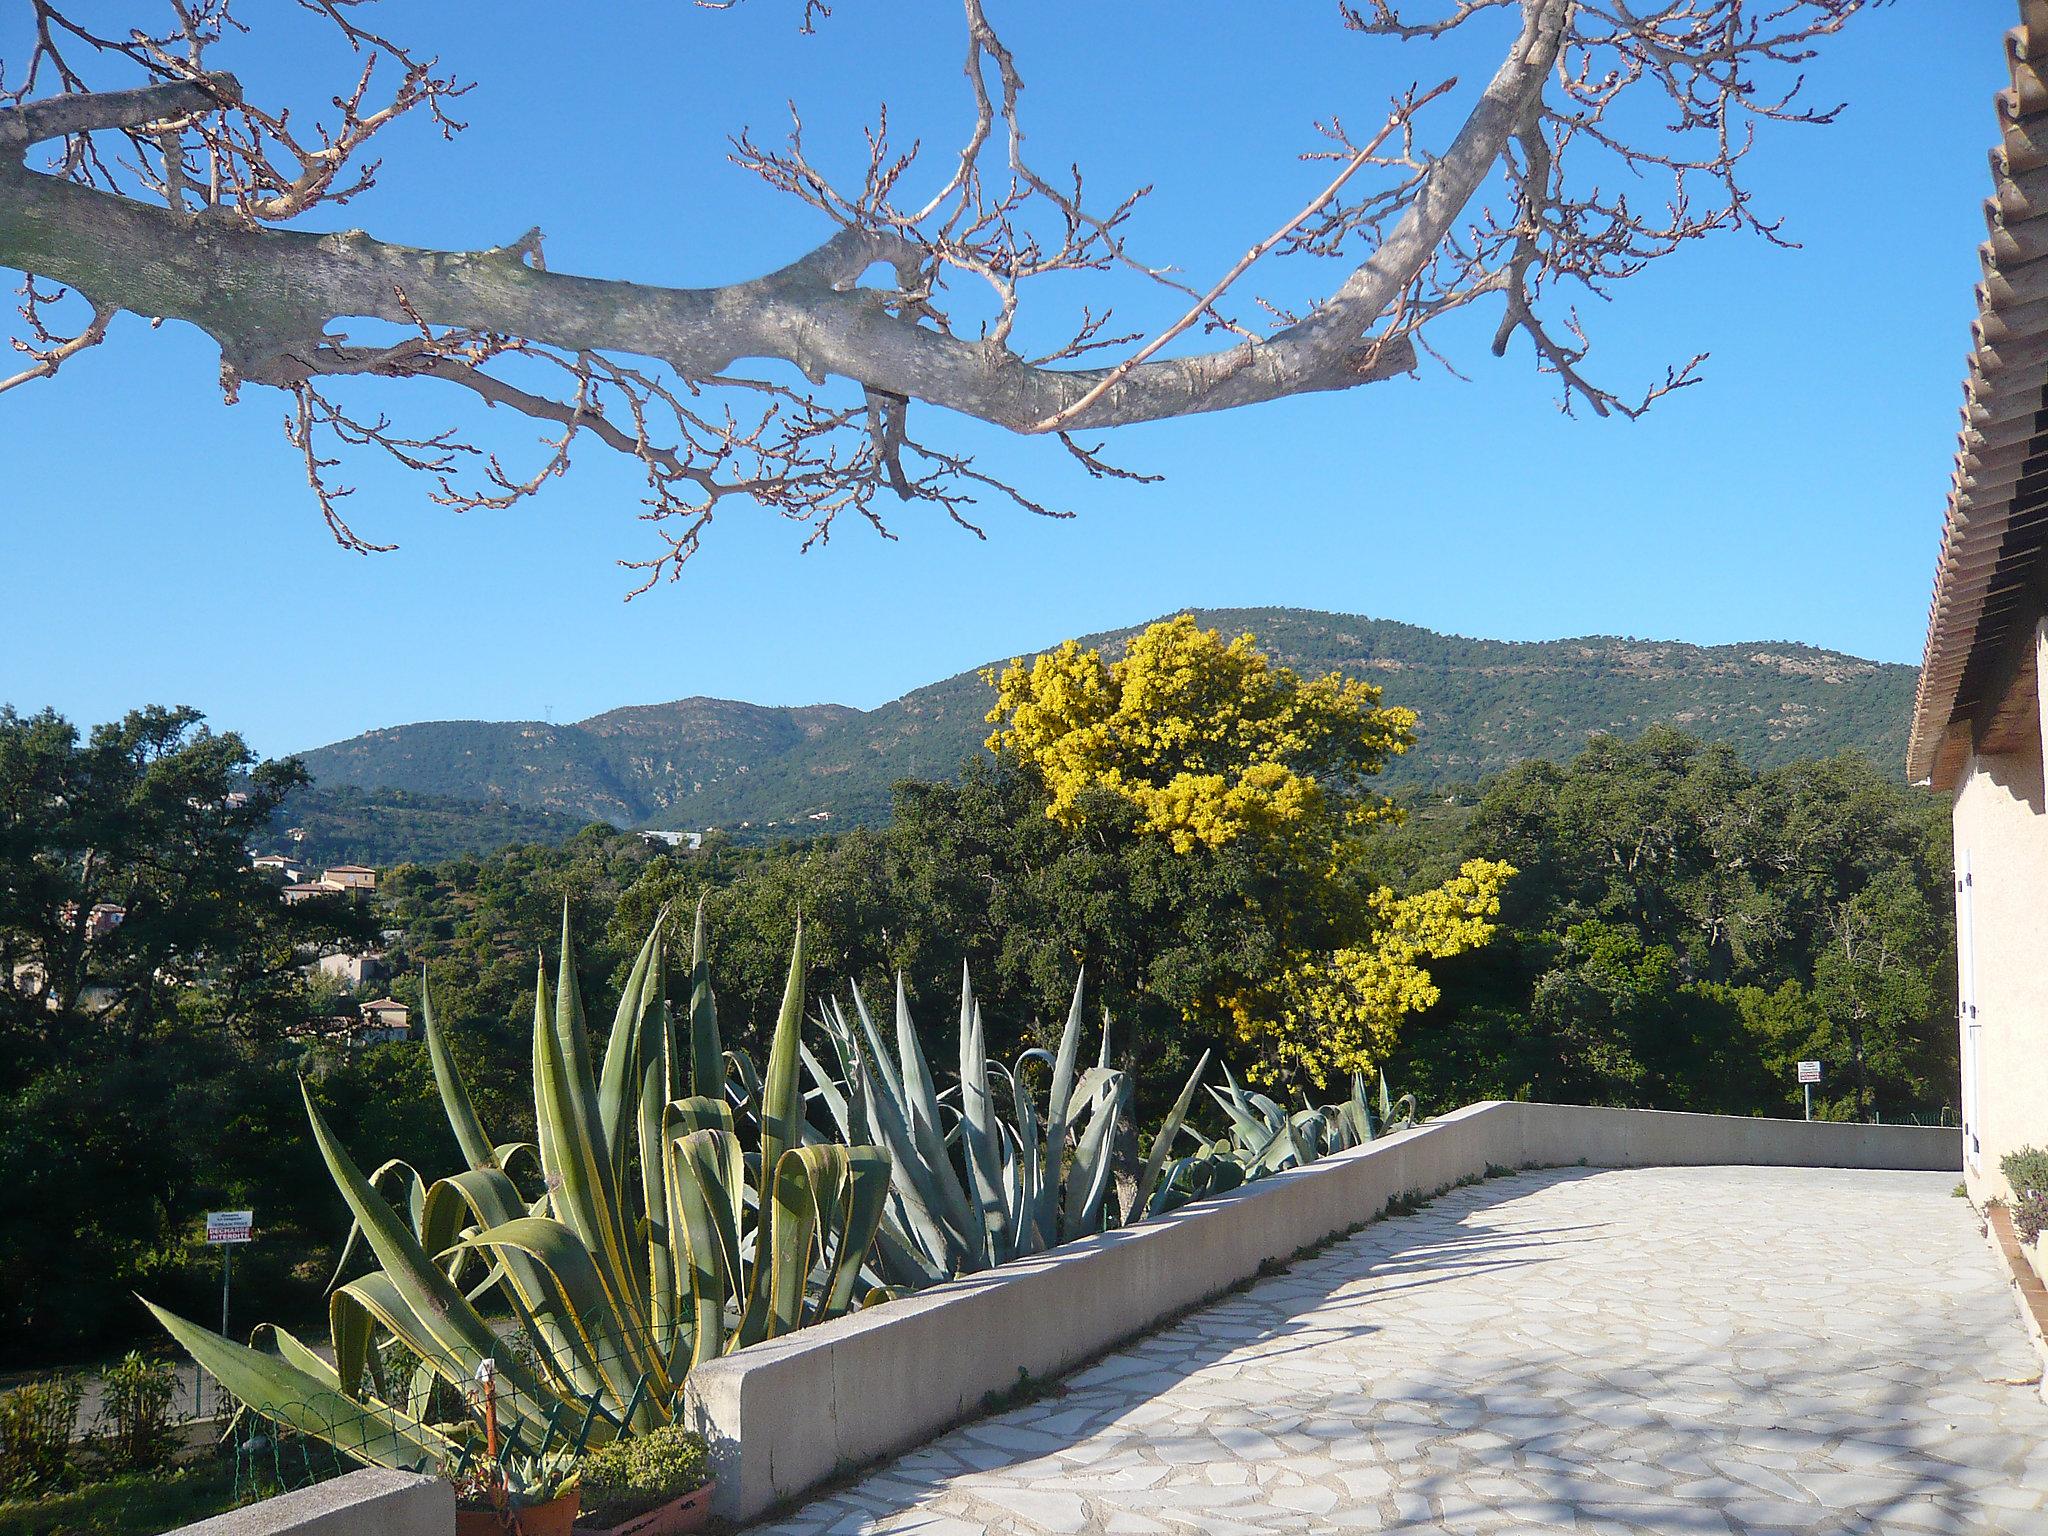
277	866
309	890
102	919
28	978
385	1019
353	877
684	842
354	971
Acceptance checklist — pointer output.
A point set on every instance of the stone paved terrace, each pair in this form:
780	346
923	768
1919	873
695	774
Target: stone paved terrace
1696	1350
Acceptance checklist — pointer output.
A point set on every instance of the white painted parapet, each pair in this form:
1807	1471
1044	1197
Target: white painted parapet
368	1503
784	1416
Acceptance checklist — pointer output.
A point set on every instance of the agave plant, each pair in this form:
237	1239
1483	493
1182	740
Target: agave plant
647	1252
979	1174
1264	1137
1267	1137
1012	1190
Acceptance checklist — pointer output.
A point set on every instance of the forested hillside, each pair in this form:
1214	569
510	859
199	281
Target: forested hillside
1484	705
400	826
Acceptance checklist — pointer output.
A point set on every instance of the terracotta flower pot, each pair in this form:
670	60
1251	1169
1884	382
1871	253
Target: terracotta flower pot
678	1517
557	1517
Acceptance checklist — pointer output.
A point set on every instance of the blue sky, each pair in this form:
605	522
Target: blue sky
156	546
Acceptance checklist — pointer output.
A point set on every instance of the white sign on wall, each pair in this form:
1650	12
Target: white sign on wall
230	1226
1809	1071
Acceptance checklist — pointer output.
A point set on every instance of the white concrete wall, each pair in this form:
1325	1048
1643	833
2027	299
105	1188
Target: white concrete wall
2001	842
368	1503
784	1416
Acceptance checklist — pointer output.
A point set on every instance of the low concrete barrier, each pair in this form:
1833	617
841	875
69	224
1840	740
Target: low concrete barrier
369	1503
784	1416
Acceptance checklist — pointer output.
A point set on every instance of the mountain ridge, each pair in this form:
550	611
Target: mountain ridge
1482	705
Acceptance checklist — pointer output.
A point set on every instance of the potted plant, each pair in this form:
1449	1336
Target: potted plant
656	1484
514	1495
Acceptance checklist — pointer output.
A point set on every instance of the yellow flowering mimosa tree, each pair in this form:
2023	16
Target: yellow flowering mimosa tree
1209	745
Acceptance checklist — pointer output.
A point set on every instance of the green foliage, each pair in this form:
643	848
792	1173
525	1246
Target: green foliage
136	1504
1484	706
133	1433
141	1070
36	1422
2030	1215
2026	1170
627	1478
1685	929
382	827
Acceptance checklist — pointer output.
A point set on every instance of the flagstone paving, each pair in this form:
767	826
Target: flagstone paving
1695	1350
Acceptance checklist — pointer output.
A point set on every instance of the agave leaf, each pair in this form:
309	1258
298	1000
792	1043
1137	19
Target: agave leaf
444	1325
876	1056
1045	1209
705	1170
578	1167
349	1330
301	1356
781	1118
981	1135
1386	1102
425	1291
837	1099
506	1155
477	1151
626	1051
827	1202
743	1079
1088	1180
578	1302
1028	1184
917	1102
415	1205
370	1432
919	1093
933	1208
1169	1132
1244	1116
489	1199
707	1054
781	1105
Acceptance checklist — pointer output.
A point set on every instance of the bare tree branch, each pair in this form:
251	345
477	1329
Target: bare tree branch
177	194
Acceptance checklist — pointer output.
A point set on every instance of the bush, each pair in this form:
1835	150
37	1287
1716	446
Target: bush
2026	1169
642	1472
35	1433
2030	1215
133	1433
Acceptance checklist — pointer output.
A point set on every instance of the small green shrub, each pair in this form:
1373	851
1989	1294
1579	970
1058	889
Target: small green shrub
631	1476
2030	1215
133	1433
2026	1169
36	1419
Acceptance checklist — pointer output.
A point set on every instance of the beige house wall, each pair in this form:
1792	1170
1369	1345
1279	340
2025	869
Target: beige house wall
2001	842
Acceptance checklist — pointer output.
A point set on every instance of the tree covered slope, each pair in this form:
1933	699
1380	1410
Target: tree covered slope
1482	706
